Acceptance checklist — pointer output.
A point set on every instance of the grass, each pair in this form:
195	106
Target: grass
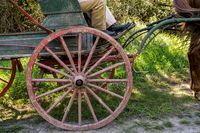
161	66
149	126
197	122
197	114
11	129
160	69
168	124
185	122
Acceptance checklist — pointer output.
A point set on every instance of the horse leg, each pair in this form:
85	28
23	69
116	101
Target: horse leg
194	60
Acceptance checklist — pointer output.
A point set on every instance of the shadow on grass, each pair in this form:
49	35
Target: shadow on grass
158	93
149	101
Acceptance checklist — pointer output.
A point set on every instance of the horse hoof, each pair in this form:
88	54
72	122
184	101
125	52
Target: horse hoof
197	95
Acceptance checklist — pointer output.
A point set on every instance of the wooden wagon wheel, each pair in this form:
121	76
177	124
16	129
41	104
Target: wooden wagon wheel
41	74
75	105
7	75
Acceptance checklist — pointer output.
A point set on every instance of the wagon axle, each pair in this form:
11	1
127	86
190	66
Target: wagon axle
79	81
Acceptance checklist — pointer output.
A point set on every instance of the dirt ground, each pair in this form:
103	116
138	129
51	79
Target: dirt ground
188	122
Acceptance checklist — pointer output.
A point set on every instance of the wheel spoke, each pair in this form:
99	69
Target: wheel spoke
99	61
106	69
99	100
52	80
4	80
91	53
69	106
106	91
52	69
68	53
58	101
79	51
79	108
107	80
53	91
59	60
90	107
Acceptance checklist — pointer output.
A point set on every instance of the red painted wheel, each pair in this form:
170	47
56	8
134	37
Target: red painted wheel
7	75
74	104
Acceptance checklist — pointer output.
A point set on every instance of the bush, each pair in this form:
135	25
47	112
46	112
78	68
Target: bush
13	21
145	10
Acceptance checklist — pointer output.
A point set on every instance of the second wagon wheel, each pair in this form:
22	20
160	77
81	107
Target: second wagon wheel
84	60
7	74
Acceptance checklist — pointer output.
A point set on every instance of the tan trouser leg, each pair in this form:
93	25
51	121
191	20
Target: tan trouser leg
98	12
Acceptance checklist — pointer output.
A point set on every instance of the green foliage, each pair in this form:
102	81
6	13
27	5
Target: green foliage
144	10
13	21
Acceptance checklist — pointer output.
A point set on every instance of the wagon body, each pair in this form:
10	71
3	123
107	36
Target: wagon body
18	45
59	14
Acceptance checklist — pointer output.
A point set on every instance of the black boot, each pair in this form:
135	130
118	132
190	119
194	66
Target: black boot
120	28
111	33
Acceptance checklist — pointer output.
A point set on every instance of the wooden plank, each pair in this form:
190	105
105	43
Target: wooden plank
60	21
59	6
62	14
23	44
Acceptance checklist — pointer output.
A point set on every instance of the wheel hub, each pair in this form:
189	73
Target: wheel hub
79	81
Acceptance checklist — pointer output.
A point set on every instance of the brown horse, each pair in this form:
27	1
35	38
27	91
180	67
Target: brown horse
191	8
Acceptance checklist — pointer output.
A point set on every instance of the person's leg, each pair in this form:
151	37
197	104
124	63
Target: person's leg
110	19
112	23
97	8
